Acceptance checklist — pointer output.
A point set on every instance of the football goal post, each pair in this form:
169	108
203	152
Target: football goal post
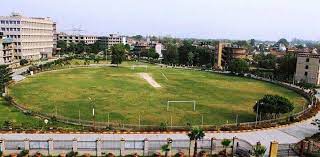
139	66
175	102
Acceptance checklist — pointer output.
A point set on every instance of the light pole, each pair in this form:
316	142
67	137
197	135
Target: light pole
257	113
93	113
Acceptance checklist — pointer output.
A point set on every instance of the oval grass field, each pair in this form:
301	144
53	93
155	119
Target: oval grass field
124	95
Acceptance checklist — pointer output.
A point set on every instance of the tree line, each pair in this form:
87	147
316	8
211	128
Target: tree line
188	54
80	47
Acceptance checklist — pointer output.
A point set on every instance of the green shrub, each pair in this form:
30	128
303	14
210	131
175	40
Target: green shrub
23	62
163	127
72	154
225	142
24	153
259	150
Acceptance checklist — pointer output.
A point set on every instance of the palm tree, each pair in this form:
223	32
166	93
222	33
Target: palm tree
259	150
165	148
196	134
225	143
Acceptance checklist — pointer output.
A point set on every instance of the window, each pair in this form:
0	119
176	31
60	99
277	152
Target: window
306	67
307	60
18	22
305	73
3	29
2	22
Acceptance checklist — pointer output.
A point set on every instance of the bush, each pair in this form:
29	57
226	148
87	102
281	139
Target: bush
7	125
23	62
259	150
38	154
1	153
72	154
163	127
8	99
110	155
24	153
225	142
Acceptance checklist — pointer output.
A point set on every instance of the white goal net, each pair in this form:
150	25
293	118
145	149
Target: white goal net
192	102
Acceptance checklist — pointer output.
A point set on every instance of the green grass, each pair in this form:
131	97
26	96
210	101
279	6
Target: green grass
9	113
122	93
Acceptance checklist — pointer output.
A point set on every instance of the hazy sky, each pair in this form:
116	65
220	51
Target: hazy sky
214	19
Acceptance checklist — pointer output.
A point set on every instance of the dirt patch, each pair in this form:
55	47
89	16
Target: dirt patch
150	80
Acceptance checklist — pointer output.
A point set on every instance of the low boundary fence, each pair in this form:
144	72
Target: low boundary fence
312	101
122	147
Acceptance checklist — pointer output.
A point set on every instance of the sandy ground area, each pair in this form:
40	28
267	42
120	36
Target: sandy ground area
150	80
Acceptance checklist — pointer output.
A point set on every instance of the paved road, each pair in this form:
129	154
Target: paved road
16	76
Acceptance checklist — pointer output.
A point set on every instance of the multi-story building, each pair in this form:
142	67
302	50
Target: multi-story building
114	39
31	35
87	39
308	67
6	50
226	53
55	37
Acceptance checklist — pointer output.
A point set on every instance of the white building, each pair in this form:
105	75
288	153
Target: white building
159	48
114	39
31	36
308	68
6	50
76	38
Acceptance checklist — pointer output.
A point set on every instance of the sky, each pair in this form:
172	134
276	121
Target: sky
208	19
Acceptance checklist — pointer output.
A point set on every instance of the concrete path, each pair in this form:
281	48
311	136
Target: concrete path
16	75
286	135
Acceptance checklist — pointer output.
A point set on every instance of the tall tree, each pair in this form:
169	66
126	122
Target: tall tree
118	54
286	67
265	61
5	77
205	56
151	53
62	45
240	66
252	42
184	51
171	55
190	59
273	105
283	41
196	134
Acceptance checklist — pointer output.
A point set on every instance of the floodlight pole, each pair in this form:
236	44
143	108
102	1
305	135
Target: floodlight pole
257	114
139	121
93	116
171	120
237	119
202	120
108	119
56	111
93	113
79	114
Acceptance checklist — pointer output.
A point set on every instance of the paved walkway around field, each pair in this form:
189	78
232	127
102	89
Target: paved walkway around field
17	73
286	135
